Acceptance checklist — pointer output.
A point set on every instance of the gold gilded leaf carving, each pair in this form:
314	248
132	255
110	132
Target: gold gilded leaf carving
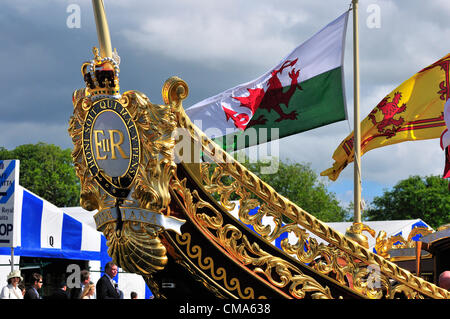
277	271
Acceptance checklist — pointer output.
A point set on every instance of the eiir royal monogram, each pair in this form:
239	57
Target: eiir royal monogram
111	146
108	145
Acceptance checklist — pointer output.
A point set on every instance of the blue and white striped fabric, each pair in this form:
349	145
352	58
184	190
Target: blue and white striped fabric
265	221
407	230
6	173
44	230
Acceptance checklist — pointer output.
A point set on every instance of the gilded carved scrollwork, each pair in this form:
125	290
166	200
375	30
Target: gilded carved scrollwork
277	271
155	124
341	259
134	207
384	244
217	273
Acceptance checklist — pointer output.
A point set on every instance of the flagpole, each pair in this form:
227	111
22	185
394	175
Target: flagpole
357	126
102	28
354	232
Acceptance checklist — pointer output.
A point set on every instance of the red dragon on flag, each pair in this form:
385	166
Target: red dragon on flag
269	99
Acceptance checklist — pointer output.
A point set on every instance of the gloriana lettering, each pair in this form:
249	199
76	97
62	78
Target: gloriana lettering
105	216
138	215
149	217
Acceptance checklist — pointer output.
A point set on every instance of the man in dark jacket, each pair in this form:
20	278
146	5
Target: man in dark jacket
60	292
106	287
32	292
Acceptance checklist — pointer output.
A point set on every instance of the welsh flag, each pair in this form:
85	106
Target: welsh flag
304	91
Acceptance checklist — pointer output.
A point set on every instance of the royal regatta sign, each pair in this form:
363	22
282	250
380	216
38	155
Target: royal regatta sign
9	180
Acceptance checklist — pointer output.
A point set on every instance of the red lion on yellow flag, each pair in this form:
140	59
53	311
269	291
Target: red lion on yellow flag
389	110
420	115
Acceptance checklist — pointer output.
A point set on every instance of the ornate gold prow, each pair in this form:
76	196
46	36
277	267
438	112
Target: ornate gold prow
124	157
141	197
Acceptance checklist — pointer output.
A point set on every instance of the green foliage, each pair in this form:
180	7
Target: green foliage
301	185
47	171
427	198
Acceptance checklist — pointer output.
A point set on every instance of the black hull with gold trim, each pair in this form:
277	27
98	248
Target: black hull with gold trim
219	256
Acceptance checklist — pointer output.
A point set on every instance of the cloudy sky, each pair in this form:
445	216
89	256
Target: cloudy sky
215	45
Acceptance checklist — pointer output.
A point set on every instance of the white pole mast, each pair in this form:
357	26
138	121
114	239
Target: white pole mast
354	232
357	126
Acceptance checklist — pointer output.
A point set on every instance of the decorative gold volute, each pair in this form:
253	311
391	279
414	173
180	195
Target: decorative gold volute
383	244
354	232
174	91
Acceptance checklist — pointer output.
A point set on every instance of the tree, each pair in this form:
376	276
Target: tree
427	198
300	184
47	171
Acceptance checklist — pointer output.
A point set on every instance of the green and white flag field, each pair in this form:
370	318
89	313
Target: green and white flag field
304	91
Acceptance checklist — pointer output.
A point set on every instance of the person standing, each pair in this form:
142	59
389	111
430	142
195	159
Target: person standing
60	292
88	291
32	292
22	288
75	293
12	290
106	287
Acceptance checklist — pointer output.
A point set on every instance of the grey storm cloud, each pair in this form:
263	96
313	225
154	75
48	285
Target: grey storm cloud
213	45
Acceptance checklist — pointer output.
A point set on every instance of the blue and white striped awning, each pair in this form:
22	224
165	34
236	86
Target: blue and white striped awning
43	230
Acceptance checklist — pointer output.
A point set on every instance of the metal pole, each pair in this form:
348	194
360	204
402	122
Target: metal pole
12	259
357	127
104	40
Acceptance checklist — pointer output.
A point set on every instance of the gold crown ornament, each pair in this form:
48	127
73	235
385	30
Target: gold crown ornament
101	76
